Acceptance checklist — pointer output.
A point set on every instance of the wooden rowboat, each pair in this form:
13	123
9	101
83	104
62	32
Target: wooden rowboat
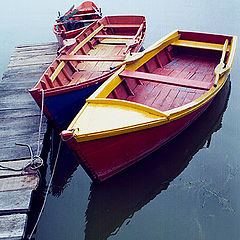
75	21
85	63
154	96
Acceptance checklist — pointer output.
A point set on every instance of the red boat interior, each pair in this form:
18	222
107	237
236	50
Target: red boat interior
105	49
172	78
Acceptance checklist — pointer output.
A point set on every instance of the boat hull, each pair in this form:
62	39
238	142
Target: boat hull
61	107
87	8
102	158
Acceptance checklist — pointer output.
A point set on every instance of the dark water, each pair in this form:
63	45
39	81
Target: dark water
189	189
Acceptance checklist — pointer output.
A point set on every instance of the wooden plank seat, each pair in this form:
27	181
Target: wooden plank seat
81	21
91	58
87	20
201	45
122	26
114	36
166	79
85	14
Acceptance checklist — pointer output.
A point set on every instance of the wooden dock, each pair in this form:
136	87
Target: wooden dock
20	116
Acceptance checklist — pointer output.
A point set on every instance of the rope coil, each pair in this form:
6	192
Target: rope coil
35	161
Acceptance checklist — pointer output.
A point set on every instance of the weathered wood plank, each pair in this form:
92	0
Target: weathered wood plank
20	126
37	46
19	183
24	138
14	152
30	61
27	71
32	55
15	201
12	226
8	113
18	164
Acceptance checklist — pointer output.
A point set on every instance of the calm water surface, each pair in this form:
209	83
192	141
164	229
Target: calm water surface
189	189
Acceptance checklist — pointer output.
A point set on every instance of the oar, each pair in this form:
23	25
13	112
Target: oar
99	13
132	43
137	56
219	69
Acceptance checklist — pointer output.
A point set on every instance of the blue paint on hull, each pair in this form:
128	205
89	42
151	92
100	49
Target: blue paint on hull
64	107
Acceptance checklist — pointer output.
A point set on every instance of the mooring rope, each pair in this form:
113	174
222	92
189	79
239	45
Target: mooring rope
53	171
48	188
35	162
40	123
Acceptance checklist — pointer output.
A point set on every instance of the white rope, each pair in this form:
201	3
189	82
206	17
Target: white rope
48	188
40	123
35	162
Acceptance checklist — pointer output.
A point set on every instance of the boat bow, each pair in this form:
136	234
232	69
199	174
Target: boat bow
109	117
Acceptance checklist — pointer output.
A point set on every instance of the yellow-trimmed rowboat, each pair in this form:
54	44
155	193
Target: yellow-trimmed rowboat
154	95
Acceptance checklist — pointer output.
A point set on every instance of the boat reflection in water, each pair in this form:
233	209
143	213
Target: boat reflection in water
114	201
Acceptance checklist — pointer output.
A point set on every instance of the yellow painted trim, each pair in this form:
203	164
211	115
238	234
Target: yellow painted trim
81	44
118	131
201	45
57	71
124	103
86	39
106	88
150	52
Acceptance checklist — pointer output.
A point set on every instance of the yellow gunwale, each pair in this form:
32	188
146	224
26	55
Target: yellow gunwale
201	45
164	117
81	44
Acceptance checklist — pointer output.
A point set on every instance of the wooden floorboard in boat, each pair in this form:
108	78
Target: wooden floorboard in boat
88	70
165	97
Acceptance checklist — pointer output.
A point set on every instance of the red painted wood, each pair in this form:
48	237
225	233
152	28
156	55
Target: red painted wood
112	155
204	37
165	79
85	10
156	91
91	58
122	25
113	36
161	97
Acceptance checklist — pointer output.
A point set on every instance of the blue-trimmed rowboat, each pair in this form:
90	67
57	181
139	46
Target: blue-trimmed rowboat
84	63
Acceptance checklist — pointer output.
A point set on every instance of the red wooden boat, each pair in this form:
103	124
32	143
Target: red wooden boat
154	96
85	63
75	21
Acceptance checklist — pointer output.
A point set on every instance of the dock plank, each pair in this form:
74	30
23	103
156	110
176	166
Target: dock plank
12	226
15	201
18	164
19	183
20	116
